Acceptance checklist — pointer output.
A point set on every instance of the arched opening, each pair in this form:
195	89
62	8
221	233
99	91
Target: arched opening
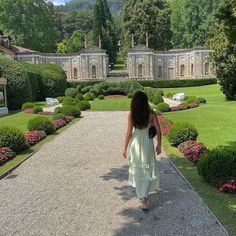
75	73
207	68
159	71
192	68
182	70
140	71
94	72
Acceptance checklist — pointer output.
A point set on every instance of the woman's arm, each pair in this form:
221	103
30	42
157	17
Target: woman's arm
158	129
128	135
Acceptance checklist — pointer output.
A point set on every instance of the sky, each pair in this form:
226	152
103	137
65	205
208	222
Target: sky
59	2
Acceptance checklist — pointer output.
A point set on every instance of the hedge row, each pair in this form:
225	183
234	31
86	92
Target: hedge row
27	82
155	83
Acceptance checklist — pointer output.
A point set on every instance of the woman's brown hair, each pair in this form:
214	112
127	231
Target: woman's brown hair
140	110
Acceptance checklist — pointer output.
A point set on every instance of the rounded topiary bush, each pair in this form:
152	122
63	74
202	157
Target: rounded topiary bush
86	89
183	104
84	105
69	101
218	165
71	92
79	97
163	107
157	99
78	88
27	105
192	99
130	95
37	109
170	95
201	100
61	98
181	132
13	138
59	116
89	96
101	97
41	124
71	111
57	110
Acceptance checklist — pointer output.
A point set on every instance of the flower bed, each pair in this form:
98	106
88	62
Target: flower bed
47	113
33	137
115	96
165	124
59	123
28	110
192	150
6	154
70	118
229	187
184	107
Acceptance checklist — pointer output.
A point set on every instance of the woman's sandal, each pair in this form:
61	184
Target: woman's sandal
144	204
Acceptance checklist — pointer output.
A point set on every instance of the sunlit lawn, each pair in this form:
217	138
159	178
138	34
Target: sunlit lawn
111	104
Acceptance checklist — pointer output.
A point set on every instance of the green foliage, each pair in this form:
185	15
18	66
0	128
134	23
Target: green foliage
103	25
86	89
89	96
69	101
79	97
12	137
163	107
170	95
41	124
101	97
201	100
184	103
69	110
130	95
181	132
32	22
59	116
218	165
71	92
141	17
157	99
84	105
192	20
60	98
27	105
57	110
192	99
37	109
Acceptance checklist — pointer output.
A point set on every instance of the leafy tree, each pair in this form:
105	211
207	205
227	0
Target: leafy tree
222	40
103	25
141	17
191	21
31	22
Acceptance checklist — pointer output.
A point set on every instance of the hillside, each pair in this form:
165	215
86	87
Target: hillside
114	5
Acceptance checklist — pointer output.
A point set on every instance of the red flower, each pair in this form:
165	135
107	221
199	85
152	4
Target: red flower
28	110
33	137
59	123
6	154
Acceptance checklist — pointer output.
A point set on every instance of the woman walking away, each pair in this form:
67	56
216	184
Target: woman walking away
143	173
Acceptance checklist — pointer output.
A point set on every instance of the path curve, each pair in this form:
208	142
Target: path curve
77	185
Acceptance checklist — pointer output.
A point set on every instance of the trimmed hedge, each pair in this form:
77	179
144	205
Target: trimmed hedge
163	107
37	109
71	92
57	110
89	96
59	116
71	111
13	138
41	124
27	105
181	132
69	101
84	105
218	165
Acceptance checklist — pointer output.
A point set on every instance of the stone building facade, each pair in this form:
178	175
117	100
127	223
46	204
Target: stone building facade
145	63
91	63
3	97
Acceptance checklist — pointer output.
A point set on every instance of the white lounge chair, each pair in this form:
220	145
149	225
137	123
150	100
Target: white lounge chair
179	97
52	102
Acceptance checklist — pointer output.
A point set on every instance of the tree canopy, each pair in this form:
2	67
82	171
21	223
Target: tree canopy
32	23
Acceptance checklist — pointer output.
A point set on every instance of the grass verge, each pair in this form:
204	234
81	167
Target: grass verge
222	205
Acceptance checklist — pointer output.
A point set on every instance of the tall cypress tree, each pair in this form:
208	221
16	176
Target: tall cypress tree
139	17
103	25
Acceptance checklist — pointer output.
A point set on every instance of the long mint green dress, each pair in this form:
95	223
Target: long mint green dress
143	173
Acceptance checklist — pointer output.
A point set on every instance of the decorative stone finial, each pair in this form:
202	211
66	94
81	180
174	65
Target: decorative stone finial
147	40
99	41
132	40
85	41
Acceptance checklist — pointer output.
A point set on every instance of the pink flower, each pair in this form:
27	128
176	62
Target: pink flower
59	123
28	110
33	137
6	154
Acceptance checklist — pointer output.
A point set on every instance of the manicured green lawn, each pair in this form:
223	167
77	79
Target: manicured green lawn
215	120
222	205
111	104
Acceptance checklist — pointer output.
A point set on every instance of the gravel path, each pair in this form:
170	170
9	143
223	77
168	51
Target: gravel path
77	185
